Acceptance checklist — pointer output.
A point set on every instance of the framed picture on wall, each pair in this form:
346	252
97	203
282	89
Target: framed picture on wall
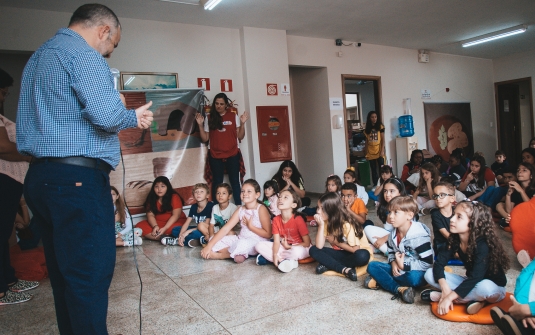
131	81
448	126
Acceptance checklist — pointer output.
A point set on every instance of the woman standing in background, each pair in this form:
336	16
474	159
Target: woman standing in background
375	144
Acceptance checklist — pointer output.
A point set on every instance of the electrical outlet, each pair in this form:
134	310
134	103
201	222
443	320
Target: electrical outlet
338	42
339	53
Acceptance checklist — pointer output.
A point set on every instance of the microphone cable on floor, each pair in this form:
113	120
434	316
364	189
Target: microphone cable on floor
133	244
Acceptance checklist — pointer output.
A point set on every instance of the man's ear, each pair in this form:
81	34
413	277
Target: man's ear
103	32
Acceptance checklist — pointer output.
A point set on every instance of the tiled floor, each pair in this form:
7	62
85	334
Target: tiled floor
184	294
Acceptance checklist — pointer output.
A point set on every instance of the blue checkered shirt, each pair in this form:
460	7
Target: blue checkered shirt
68	105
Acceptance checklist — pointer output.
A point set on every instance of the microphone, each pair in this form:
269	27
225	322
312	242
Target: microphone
115	73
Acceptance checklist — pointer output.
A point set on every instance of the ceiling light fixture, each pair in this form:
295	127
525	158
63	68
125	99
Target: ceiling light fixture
210	4
185	2
494	36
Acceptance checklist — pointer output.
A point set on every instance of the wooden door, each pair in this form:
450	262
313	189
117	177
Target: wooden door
509	130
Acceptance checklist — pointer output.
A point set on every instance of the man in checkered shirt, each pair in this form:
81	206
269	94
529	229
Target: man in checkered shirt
68	119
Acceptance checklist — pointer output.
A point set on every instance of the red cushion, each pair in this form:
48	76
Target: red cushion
482	317
523	227
306	260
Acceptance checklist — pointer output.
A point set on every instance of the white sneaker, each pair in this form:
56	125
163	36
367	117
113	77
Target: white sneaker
138	240
288	265
169	241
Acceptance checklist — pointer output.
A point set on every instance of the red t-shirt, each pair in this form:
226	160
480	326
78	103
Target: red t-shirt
164	217
293	230
224	142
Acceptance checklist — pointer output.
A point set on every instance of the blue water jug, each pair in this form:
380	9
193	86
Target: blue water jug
406	127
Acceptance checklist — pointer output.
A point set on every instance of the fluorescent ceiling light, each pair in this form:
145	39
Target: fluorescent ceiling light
494	36
210	4
185	2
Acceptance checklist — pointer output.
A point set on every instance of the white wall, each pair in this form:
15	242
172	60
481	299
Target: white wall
469	79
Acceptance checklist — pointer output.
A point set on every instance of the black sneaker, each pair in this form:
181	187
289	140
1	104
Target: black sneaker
514	327
405	293
351	274
321	269
426	294
194	243
370	283
11	298
503	224
261	260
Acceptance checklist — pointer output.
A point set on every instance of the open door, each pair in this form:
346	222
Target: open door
514	124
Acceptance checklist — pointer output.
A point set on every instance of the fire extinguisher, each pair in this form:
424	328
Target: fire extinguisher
233	107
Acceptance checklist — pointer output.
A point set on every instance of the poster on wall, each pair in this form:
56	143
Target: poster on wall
448	127
171	147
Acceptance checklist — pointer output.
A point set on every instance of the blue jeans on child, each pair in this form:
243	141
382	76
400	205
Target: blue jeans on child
194	235
372	196
382	273
485	290
492	196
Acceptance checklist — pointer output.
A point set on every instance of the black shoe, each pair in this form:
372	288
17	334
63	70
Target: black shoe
405	293
503	224
426	294
351	274
513	327
321	269
496	313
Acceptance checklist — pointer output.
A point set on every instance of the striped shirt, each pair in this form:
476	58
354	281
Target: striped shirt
68	105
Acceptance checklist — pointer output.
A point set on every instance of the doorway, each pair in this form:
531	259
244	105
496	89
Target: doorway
362	94
514	115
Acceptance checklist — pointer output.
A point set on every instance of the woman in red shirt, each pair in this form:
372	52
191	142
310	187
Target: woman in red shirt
223	129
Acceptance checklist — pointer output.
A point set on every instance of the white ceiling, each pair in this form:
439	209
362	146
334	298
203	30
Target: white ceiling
436	25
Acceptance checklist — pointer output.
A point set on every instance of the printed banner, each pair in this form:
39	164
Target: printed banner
171	147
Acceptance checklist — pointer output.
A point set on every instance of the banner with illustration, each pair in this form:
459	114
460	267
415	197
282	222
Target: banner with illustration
171	147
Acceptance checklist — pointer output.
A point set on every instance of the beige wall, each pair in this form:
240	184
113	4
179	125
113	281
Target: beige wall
469	79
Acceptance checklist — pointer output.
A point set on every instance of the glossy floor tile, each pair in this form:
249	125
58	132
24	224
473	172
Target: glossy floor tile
184	294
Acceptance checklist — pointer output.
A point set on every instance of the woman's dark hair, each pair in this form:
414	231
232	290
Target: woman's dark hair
481	174
225	186
152	198
531	142
5	79
530	151
120	207
215	121
351	171
385	169
414	153
337	182
435	176
481	225
338	215
295	177
369	126
382	210
273	184
531	185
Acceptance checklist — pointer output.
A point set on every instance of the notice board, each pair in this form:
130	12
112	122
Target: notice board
273	133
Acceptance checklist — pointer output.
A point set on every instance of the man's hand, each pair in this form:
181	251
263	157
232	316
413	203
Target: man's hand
144	116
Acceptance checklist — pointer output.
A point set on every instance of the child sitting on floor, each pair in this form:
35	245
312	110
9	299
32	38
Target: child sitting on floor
518	191
444	195
350	247
255	227
271	197
350	176
474	239
429	177
221	212
197	222
354	205
164	209
124	236
499	165
375	193
409	252
290	236
332	184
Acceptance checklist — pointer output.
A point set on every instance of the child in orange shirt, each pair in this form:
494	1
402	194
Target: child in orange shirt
354	205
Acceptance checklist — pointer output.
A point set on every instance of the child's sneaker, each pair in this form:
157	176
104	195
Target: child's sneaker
138	240
321	269
23	285
261	260
239	259
288	265
11	298
474	306
194	243
406	294
169	241
203	241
